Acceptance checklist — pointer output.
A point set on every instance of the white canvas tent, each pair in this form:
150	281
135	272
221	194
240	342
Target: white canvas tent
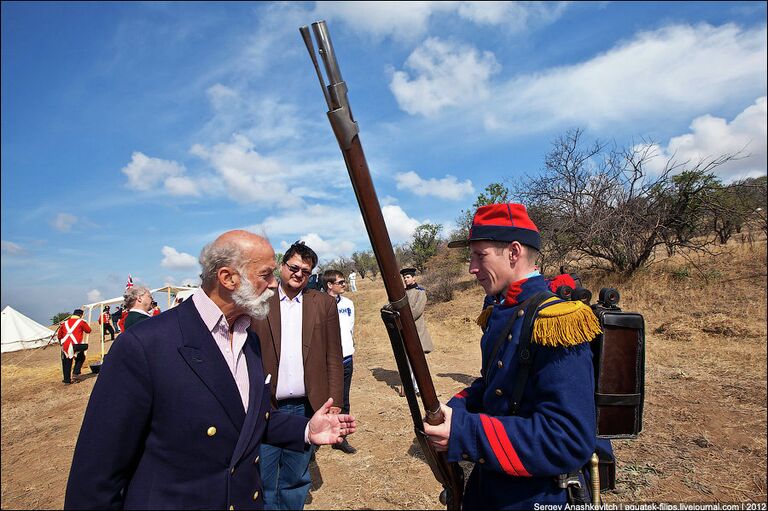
89	308
21	333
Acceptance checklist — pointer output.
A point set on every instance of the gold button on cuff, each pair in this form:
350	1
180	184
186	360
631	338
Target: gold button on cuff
256	461
500	364
256	495
211	431
266	416
481	460
499	392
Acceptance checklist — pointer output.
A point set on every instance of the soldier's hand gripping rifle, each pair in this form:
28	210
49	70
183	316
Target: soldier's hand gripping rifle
397	314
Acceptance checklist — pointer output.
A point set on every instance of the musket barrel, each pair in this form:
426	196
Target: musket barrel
325	47
347	133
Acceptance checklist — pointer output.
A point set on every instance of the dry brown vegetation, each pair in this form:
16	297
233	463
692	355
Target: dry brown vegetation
704	436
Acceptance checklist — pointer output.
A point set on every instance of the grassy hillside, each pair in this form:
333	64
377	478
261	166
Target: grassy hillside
704	436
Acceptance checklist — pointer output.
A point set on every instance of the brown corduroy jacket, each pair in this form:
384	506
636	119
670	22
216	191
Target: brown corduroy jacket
321	347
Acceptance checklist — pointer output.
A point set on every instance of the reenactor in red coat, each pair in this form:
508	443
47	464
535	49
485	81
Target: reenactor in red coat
70	335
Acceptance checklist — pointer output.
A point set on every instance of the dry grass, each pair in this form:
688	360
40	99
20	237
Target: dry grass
704	435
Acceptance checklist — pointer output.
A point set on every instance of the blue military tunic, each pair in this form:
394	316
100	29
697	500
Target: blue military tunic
517	458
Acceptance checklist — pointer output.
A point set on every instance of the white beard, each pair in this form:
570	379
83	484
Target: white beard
254	305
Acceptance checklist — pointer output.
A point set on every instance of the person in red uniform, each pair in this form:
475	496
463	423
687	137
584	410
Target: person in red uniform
105	320
121	322
70	335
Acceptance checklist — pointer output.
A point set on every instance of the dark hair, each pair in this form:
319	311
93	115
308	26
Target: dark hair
330	276
307	254
78	312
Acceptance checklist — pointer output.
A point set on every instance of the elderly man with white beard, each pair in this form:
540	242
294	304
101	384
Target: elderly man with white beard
182	404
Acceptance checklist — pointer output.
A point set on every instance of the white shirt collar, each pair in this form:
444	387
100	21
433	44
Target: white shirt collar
284	297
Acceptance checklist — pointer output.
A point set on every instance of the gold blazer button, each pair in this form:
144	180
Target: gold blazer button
211	431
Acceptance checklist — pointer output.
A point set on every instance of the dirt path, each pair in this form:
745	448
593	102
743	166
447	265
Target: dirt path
704	435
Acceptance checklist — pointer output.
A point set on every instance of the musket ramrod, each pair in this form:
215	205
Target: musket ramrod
397	314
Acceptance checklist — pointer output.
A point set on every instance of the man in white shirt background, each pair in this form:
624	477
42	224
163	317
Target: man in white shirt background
335	285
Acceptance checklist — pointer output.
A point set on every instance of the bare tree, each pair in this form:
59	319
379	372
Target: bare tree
607	208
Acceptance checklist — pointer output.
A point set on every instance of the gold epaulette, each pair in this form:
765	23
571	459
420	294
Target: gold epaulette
565	324
482	319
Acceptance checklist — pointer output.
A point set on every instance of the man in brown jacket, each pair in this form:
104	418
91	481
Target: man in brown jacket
417	299
301	354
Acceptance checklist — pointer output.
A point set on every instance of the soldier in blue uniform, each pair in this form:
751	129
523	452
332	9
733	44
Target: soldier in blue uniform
519	454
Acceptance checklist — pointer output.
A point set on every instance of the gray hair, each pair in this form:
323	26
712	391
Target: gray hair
133	294
218	254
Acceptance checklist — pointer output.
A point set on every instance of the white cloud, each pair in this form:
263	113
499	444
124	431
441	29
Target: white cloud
670	72
337	222
711	137
401	20
145	173
513	16
447	188
336	230
182	186
94	295
445	74
399	225
264	120
408	21
64	222
247	175
10	248
177	260
329	248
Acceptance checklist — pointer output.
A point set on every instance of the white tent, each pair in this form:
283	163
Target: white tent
21	333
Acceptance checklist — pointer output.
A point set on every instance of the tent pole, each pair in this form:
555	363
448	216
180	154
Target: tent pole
88	335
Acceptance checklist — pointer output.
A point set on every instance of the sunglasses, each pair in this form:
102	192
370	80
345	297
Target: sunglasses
341	282
296	269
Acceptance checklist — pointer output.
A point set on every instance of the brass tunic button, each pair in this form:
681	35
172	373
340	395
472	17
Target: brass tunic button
211	431
232	471
256	495
465	456
481	460
499	392
266	416
256	461
520	313
231	508
500	364
509	337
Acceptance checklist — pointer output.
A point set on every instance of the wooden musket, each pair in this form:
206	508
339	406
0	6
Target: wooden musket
397	314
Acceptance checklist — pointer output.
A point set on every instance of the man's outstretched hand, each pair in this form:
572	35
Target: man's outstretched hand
330	428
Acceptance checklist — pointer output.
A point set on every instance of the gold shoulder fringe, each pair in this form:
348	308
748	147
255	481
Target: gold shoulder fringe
565	324
482	319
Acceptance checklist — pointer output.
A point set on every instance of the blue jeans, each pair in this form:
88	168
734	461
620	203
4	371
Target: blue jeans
285	473
348	366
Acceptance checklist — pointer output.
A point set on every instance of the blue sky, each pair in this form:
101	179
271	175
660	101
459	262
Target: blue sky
134	133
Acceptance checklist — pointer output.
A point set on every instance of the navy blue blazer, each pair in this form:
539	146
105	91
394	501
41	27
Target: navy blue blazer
165	426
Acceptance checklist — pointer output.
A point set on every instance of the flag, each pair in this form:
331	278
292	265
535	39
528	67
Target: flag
129	283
